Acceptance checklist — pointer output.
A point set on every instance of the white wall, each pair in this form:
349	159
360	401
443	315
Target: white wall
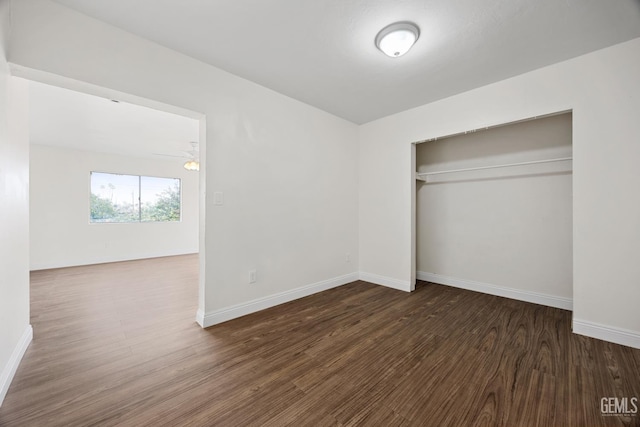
508	227
288	171
61	234
15	330
603	90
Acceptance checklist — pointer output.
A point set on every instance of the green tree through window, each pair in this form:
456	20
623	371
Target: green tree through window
101	209
133	198
166	207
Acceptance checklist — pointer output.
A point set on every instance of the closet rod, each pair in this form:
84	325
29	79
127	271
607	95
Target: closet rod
560	159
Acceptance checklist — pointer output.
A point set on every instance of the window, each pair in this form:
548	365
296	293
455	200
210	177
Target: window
133	198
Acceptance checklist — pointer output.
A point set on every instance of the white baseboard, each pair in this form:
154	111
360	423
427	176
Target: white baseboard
200	317
389	282
607	333
501	291
222	315
106	260
11	367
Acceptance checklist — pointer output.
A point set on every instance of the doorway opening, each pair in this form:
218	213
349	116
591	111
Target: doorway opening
82	135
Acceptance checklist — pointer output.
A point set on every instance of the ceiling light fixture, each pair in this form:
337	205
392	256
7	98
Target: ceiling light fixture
396	39
192	165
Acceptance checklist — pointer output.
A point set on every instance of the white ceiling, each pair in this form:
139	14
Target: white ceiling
64	118
322	52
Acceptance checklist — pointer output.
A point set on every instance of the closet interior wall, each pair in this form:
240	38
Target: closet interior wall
508	227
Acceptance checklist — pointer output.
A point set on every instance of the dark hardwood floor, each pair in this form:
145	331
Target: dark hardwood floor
117	344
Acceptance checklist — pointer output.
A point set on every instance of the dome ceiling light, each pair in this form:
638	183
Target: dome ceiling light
396	39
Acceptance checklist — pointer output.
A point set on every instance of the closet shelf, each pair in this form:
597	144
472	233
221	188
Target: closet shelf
422	176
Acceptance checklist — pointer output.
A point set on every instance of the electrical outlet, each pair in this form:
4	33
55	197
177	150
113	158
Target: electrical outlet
218	198
347	258
252	276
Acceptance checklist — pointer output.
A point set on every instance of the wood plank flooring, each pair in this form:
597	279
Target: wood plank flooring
117	345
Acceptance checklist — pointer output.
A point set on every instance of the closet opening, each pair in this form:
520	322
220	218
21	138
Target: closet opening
493	210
